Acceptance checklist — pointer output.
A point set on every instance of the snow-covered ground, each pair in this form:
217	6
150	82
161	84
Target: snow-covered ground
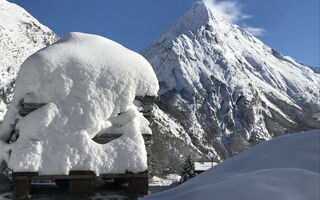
88	85
202	166
168	180
287	167
157	184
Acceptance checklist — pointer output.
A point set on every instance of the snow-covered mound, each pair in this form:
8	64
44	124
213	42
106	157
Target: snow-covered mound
87	84
20	36
222	90
287	167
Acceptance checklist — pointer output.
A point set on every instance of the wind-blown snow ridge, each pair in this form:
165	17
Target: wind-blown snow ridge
88	85
226	88
20	36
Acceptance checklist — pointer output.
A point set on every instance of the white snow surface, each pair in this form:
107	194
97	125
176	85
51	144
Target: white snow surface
168	180
88	84
202	166
287	167
20	36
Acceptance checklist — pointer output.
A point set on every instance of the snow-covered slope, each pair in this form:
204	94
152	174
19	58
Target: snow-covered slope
222	90
20	36
287	167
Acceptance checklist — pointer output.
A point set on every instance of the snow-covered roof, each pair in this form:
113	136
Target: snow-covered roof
88	84
202	166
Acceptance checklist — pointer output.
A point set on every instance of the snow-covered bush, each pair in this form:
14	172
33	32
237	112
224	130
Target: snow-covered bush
86	85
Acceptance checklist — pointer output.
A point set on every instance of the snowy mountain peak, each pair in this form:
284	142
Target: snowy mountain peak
200	17
225	89
197	16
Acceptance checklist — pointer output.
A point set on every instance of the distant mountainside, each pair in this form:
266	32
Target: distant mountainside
20	36
222	91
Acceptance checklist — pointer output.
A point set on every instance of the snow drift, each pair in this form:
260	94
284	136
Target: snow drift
87	84
287	167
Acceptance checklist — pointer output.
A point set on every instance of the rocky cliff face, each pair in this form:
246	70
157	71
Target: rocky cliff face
223	90
20	36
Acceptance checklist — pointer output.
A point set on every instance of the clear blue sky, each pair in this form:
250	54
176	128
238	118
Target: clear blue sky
290	26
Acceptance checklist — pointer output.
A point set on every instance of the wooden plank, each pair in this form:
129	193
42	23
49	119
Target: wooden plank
126	175
26	108
122	175
83	186
74	175
108	137
24	174
82	172
53	177
105	138
36	176
138	186
21	188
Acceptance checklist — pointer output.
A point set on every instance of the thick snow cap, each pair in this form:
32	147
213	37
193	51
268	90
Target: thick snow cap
88	85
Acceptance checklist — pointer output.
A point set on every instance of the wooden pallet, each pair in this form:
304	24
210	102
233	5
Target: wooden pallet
79	182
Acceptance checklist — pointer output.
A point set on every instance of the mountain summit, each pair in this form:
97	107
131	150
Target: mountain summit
222	90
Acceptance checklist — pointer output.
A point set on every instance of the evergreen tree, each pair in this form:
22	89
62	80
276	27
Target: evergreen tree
188	169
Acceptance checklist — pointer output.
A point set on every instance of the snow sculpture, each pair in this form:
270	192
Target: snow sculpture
87	85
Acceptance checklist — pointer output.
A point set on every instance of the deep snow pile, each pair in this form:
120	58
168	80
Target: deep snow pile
88	85
287	167
20	36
